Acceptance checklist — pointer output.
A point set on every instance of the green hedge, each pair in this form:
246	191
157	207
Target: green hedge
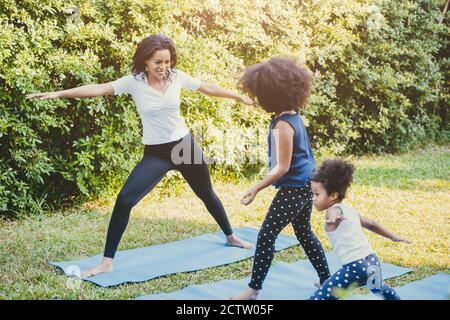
381	84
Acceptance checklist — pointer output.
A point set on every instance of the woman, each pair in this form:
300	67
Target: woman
155	85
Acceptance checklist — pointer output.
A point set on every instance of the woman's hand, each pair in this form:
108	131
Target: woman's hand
246	100
398	239
249	196
43	95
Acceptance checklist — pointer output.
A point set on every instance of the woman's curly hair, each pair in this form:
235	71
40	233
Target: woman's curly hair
147	47
279	84
335	175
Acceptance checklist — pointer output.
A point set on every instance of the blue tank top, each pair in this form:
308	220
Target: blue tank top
302	163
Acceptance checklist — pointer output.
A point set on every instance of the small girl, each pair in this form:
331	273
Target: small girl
343	226
282	88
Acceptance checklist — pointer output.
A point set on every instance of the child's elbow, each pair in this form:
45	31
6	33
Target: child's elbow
283	170
369	225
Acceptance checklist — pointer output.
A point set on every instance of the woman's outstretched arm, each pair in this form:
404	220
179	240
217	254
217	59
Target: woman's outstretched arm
86	91
217	91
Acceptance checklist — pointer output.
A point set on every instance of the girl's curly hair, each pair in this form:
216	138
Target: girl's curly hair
279	84
335	175
147	47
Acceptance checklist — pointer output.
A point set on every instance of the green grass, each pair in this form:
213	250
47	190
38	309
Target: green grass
408	193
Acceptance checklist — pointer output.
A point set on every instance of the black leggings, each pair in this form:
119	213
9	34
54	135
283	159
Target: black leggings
183	155
290	205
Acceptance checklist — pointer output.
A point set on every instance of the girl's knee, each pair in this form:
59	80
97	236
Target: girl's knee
302	228
267	237
307	238
305	233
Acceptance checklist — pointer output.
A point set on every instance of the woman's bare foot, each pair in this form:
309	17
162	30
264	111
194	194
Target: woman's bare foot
234	241
248	294
105	266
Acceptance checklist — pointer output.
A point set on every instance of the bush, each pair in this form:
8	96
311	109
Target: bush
381	84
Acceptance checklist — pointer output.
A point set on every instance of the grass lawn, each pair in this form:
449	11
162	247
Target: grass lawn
408	193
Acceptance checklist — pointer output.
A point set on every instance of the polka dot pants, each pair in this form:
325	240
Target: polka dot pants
290	205
355	274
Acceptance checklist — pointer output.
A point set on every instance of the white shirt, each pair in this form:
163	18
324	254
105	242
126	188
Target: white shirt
348	239
160	113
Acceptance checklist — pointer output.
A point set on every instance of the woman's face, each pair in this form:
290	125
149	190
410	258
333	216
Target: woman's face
158	64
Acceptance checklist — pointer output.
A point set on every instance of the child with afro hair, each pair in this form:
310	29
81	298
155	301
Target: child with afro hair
282	88
344	227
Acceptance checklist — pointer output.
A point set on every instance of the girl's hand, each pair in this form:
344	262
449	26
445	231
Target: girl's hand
336	221
249	196
398	239
246	100
43	95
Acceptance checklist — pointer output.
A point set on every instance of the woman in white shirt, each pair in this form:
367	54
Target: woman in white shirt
155	85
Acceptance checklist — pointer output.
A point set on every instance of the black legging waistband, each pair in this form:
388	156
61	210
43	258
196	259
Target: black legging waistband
165	148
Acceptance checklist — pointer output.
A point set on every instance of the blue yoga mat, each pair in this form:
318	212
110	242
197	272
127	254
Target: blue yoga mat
436	287
142	264
285	281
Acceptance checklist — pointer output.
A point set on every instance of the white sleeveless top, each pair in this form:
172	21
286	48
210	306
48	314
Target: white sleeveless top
348	240
160	112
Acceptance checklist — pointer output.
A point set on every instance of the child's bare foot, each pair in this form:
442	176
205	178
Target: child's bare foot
104	267
248	294
234	241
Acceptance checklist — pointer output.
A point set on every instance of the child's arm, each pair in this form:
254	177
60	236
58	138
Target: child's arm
284	141
333	218
377	228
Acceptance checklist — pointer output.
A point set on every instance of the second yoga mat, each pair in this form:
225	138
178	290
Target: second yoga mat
285	281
